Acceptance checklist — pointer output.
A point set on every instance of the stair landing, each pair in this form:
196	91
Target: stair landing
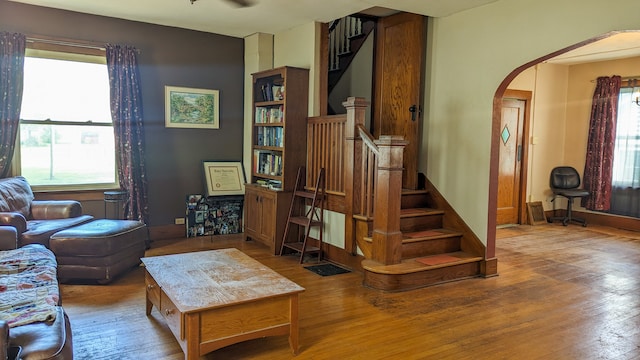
420	272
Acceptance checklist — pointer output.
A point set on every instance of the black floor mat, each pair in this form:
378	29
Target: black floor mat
327	269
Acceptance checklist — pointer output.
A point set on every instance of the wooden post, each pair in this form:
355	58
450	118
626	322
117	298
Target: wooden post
352	165
387	237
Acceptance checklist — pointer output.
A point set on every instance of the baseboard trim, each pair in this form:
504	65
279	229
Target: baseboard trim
615	221
164	232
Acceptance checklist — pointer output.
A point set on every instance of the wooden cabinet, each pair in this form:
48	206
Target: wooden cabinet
278	147
266	214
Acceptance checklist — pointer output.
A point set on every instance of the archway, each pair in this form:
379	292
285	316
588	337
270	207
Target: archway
495	133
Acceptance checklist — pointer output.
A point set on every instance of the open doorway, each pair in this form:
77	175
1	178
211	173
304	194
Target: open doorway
562	85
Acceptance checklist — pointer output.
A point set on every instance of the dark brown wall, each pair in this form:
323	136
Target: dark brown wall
168	56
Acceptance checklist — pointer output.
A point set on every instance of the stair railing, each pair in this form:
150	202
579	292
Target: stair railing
340	32
373	168
325	149
365	173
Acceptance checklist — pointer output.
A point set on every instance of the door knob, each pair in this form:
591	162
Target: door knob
413	109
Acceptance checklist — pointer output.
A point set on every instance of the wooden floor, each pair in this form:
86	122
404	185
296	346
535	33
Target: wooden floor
562	293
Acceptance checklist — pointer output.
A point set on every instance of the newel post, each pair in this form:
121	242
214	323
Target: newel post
356	108
387	238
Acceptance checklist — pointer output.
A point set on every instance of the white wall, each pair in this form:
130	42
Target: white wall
471	54
299	47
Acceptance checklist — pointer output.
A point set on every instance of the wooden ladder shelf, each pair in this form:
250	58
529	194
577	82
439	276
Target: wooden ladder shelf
306	212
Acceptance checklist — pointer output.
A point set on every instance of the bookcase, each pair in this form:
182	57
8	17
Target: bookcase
278	147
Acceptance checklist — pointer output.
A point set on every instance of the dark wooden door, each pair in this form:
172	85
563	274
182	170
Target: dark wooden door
512	151
399	58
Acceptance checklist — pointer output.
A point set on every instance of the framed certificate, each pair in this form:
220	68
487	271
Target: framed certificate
224	177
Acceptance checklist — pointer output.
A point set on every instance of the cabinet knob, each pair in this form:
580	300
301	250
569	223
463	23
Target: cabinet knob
151	287
168	312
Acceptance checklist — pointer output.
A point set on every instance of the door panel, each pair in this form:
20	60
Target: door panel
511	155
398	86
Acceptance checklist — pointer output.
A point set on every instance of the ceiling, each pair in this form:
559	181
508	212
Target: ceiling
273	16
618	46
266	16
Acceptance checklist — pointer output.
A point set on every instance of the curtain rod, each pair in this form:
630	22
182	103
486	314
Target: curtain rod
33	39
624	78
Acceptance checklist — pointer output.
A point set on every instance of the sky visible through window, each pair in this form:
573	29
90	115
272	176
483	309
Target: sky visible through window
69	91
626	159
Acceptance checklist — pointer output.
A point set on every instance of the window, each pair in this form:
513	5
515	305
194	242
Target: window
626	158
66	134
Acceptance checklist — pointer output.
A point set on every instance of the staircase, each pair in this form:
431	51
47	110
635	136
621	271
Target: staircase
346	36
408	239
432	252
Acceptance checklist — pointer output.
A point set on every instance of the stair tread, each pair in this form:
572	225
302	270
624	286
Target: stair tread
435	234
414	192
421	235
412	265
415	212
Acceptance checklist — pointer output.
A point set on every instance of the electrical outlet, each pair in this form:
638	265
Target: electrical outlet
179	221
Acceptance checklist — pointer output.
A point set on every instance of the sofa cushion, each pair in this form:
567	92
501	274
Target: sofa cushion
39	231
15	195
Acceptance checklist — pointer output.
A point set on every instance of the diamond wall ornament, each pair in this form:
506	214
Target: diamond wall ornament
505	135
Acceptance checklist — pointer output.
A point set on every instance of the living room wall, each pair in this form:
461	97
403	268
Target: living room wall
168	56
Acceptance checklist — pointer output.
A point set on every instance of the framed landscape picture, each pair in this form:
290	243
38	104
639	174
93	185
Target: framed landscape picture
191	108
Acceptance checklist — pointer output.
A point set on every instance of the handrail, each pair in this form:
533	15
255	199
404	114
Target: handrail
368	139
368	170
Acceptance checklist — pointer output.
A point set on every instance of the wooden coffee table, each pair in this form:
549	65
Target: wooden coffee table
212	299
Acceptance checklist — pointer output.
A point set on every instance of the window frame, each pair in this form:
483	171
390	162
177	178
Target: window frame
62	49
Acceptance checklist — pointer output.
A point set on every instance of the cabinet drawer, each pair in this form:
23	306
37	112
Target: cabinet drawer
171	314
153	290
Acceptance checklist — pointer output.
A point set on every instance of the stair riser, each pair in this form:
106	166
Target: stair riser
402	282
414	201
417	223
430	247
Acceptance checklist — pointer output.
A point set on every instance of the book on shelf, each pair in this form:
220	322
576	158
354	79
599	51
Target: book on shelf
267	163
270	136
271	184
270	115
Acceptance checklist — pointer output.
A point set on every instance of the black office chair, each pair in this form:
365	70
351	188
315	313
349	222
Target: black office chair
565	182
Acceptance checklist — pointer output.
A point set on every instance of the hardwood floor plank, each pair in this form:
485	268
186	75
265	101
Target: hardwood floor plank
562	293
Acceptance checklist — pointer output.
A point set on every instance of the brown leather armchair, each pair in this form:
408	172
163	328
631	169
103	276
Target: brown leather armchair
35	221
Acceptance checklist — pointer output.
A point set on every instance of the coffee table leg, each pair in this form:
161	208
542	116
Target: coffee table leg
149	305
293	318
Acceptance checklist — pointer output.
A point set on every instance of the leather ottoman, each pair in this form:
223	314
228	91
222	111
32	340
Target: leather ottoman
99	250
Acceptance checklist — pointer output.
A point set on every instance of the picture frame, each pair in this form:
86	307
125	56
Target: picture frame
191	108
536	213
224	178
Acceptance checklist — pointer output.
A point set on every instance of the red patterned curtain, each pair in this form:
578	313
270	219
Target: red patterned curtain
12	48
126	112
598	167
